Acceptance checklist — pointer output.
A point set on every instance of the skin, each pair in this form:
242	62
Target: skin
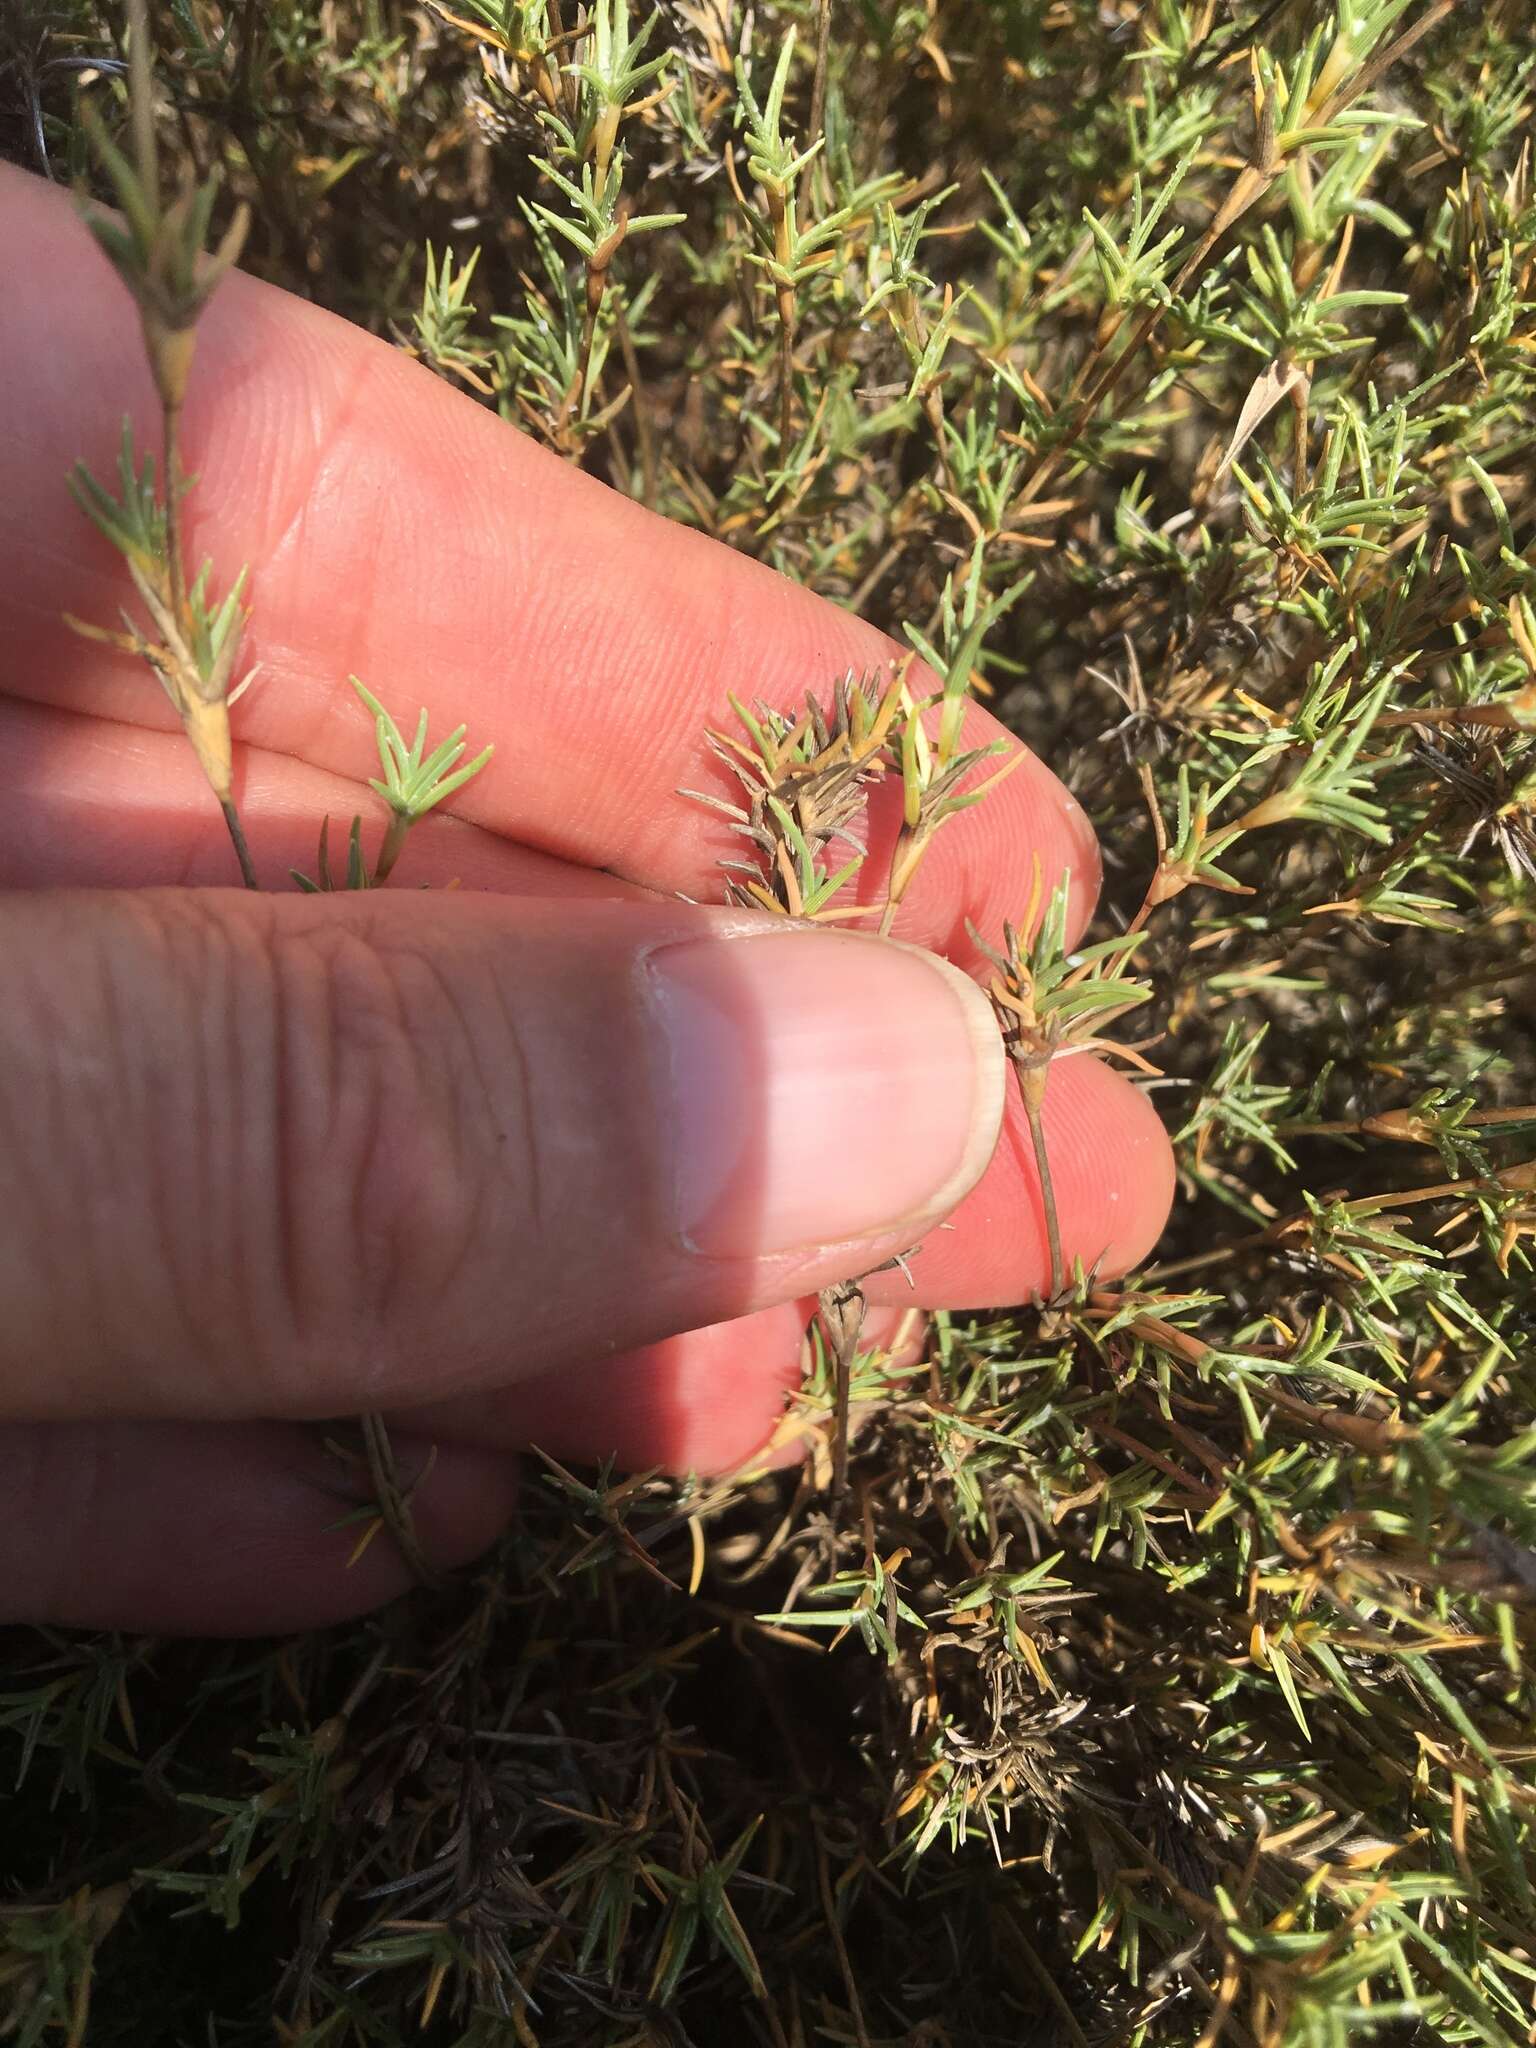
399	531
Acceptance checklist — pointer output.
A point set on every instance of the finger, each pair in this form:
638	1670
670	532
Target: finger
396	529
710	1401
706	1401
90	803
1112	1176
301	1155
217	1529
76	780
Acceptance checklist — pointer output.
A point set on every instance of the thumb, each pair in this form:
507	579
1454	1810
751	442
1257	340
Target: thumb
297	1155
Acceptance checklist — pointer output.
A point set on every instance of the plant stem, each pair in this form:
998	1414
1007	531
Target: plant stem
841	1310
597	285
140	102
1360	1205
819	81
239	842
400	823
786	381
779	202
170	443
1046	1980
393	1499
1032	1098
1354	1127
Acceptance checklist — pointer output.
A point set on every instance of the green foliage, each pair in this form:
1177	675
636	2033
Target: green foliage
444	330
414	780
1155	1670
134	520
160	250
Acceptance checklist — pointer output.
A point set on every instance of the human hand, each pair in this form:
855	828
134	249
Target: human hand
554	1158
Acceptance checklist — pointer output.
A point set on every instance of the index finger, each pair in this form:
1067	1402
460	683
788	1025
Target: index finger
397	529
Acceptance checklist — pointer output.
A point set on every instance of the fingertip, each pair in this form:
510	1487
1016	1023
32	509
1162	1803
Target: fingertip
463	1499
711	1402
1112	1162
220	1529
702	1402
1112	1175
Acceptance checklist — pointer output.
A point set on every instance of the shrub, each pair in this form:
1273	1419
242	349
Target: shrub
1151	1668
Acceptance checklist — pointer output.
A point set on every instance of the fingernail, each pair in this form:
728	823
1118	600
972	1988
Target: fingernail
822	1088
